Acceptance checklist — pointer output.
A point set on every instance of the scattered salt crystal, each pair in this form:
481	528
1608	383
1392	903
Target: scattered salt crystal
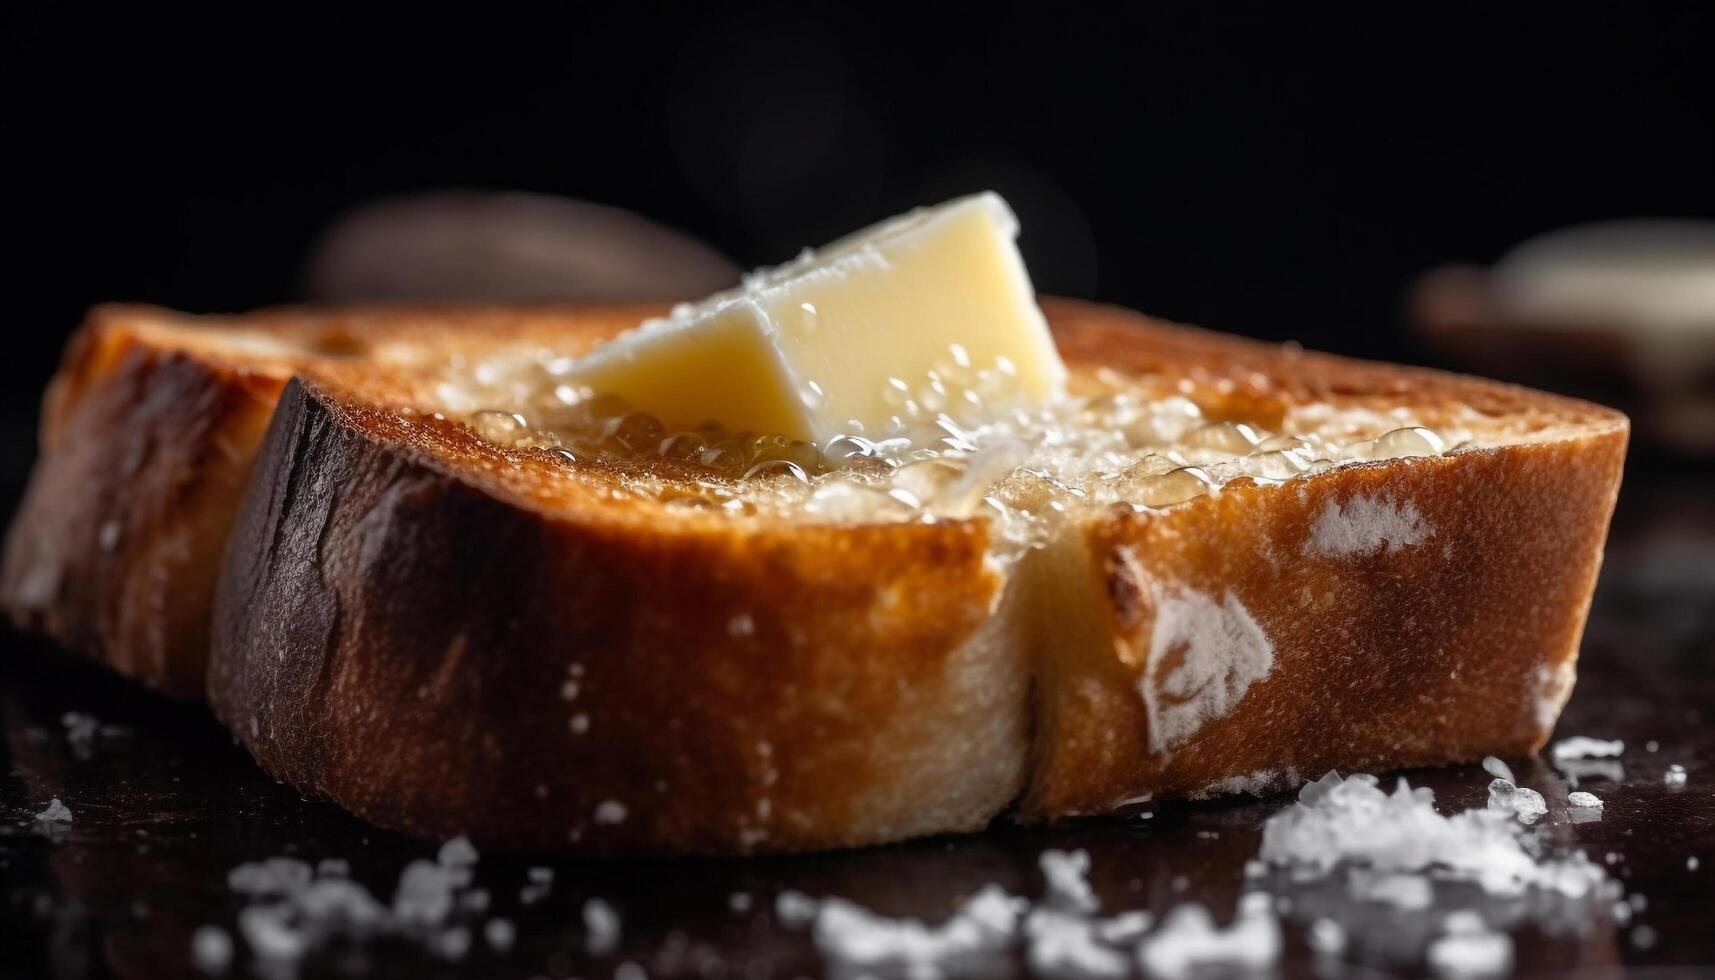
270	876
534	892
1581	799
580	724
1638	901
457	853
1674	779
1527	804
1189	941
1402	891
451	944
1580	747
1326	937
1644	937
1468	948
610	812
1064	944
857	941
1353	823
333	868
1652	746
794	908
1127	927
540	874
500	934
54	812
1067	888
601	927
739	902
425	893
1691	863
1498	769
81	730
268	930
1621	912
211	949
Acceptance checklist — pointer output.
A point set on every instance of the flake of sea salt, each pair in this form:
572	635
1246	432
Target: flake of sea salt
855	940
500	934
211	949
1353	823
1586	807
1674	779
1326	937
269	876
1067	887
1064	944
1124	928
1580	747
450	944
425	893
457	853
1467	947
1408	891
55	812
1498	769
1189	941
601	927
1527	804
794	908
610	812
269	931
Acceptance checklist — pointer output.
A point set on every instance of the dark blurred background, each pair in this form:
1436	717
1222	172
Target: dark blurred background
1278	172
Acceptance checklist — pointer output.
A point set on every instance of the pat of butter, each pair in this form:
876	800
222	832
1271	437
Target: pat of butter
929	313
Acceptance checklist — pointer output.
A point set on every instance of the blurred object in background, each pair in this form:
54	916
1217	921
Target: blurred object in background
1621	312
459	246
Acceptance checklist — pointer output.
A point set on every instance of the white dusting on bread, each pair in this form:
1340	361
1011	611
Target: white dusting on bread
1366	525
1264	782
1553	685
1204	655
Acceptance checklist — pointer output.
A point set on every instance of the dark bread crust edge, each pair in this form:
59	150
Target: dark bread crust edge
392	637
115	547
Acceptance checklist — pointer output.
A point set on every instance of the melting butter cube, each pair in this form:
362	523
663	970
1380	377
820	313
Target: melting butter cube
930	313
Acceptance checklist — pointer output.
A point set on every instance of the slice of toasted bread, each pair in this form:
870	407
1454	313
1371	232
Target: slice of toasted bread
451	634
147	436
620	654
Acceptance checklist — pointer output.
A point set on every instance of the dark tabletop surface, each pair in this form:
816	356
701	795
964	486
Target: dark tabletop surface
165	805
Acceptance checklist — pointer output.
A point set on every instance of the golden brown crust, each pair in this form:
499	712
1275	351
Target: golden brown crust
1455	639
115	547
567	682
148	431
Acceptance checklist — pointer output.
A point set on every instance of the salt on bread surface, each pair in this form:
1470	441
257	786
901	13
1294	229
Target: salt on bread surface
1204	653
1366	525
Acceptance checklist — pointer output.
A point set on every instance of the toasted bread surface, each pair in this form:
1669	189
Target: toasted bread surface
721	681
447	635
148	433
